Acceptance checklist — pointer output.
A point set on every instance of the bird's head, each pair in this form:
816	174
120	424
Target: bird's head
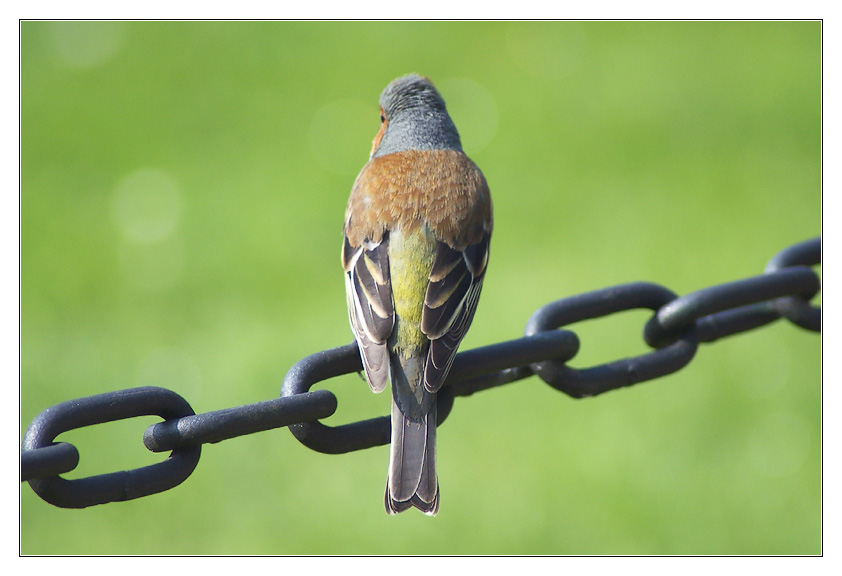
413	116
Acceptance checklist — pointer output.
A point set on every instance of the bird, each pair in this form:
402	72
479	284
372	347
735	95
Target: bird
416	241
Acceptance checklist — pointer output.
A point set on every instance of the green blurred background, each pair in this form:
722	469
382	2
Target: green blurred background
183	187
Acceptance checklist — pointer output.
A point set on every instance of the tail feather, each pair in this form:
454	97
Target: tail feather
412	464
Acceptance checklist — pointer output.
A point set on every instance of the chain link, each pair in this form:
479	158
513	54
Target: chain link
674	332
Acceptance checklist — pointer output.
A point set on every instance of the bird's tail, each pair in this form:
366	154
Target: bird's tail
412	464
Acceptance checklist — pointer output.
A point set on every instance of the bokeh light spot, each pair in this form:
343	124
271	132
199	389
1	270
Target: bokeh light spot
86	44
146	206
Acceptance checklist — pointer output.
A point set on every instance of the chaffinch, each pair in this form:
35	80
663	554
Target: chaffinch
417	231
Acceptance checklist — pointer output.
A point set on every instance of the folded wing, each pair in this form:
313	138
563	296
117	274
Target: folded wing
451	300
370	308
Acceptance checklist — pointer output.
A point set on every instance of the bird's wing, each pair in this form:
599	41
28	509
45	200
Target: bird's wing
370	308
449	306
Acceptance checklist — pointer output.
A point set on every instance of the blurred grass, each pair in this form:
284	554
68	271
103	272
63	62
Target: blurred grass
183	190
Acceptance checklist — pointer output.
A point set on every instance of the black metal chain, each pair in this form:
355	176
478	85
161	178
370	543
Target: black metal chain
674	332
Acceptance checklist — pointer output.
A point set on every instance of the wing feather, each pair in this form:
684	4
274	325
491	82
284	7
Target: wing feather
370	307
450	303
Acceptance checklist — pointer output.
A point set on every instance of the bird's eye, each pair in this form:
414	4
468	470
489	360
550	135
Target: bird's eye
382	118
